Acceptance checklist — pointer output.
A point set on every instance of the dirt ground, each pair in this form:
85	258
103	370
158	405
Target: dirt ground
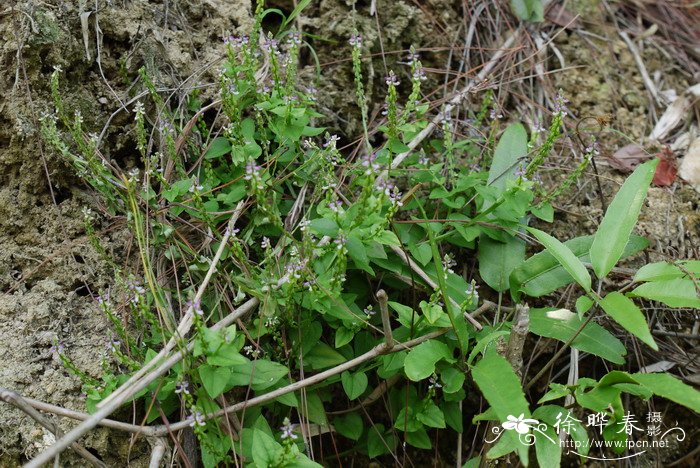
49	273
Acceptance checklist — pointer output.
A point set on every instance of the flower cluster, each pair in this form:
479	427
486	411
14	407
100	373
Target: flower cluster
355	40
392	79
560	103
236	41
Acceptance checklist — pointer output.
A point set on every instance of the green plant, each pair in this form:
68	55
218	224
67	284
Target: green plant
263	207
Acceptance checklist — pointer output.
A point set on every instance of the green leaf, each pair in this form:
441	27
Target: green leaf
674	293
219	147
556	391
562	325
420	361
615	229
628	315
452	379
671	388
497	260
260	374
349	425
431	415
511	149
226	355
214	379
419	439
542	274
358	253
388	238
380	441
544	212
265	449
501	387
354	384
343	336
323	356
324	227
667	271
583	305
565	256
528	10
432	312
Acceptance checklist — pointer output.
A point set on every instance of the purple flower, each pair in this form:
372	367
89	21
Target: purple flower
419	74
335	206
287	430
196	418
340	241
537	126
369	162
395	197
58	348
252	170
113	345
236	41
392	79
356	40
196	307
182	387
560	108
413	56
294	38
331	140
593	149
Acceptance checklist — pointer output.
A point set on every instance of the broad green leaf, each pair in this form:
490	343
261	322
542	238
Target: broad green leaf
562	325
324	227
528	10
664	385
431	415
343	336
260	374
380	441
674	292
432	312
452	379
406	420
565	256
502	389
265	449
544	212
420	361
219	147
619	220
323	356
511	149
497	260
453	415
214	379
583	305
542	274
419	439
358	253
667	271
226	355
483	341
354	384
349	425
313	409
628	315
556	391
